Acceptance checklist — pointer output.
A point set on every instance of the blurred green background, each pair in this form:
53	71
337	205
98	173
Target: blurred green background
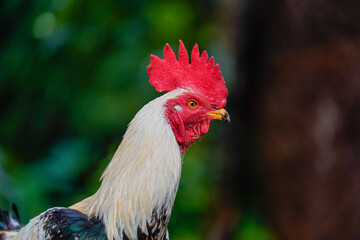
73	75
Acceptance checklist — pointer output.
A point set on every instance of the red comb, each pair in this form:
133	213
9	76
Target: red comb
201	75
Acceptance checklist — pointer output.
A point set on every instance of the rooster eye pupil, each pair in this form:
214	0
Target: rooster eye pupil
192	104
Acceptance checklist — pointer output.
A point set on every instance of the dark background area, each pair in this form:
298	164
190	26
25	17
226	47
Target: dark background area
73	75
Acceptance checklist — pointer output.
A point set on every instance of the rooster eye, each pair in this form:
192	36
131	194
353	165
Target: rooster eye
192	104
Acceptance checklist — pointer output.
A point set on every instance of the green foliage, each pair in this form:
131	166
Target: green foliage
72	76
251	229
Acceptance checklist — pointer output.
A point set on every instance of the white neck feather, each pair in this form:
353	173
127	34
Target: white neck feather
143	175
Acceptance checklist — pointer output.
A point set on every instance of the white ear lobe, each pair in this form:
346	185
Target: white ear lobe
178	108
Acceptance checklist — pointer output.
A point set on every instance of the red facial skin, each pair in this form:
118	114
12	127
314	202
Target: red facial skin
188	123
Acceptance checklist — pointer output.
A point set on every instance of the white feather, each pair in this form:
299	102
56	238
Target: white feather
143	175
34	230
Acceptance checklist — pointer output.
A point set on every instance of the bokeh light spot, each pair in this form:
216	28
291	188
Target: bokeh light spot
44	25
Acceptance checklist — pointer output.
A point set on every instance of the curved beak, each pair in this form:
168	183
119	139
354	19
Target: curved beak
220	114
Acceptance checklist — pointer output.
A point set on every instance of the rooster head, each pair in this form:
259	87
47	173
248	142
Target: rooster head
203	98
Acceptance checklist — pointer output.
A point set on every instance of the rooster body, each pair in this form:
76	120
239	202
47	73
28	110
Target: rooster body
139	185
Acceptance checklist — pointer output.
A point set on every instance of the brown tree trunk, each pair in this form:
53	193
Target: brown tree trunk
309	111
294	142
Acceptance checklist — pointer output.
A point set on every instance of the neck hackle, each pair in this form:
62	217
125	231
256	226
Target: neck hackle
141	181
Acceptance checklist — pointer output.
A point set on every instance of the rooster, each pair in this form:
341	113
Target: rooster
139	185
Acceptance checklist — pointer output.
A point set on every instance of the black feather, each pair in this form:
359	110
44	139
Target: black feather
7	222
69	224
